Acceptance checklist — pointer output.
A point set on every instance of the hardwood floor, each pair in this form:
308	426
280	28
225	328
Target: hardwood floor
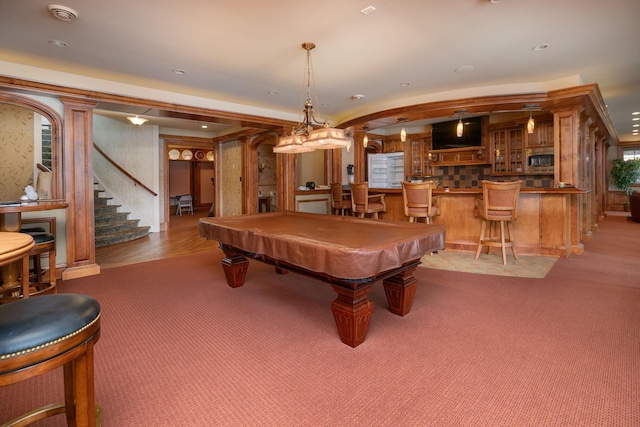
182	238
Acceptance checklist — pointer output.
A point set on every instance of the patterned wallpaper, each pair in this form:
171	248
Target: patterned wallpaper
16	151
266	169
231	158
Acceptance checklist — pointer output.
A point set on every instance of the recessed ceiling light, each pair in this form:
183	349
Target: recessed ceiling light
635	113
464	69
179	72
58	43
405	84
204	126
635	118
357	97
542	46
272	92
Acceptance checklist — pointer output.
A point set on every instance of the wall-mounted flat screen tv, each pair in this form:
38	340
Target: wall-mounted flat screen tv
443	134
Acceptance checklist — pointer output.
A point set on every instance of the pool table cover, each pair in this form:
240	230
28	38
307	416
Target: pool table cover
340	246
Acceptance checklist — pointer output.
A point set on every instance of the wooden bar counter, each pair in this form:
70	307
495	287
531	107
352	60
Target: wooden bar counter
550	220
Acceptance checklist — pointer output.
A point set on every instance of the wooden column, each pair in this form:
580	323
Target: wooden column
249	176
77	162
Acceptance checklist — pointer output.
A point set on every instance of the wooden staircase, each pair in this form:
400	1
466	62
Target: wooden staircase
111	226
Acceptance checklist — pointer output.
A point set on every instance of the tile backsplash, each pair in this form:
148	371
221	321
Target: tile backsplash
471	176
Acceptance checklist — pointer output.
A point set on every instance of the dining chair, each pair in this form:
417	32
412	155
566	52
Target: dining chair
498	205
419	201
363	203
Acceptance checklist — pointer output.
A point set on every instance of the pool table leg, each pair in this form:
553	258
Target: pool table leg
235	269
400	290
352	311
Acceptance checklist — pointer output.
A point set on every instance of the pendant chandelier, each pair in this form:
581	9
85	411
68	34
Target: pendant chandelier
304	137
531	124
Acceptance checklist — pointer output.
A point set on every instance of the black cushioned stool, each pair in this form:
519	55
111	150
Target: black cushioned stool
40	334
45	243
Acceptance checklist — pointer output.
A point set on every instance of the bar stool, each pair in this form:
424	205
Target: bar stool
363	203
45	244
38	335
339	203
499	204
419	201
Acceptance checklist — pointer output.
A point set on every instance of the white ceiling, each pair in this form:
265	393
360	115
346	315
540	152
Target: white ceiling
239	51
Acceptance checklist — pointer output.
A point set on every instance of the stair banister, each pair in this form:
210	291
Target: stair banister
127	174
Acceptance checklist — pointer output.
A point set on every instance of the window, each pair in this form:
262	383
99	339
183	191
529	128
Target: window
631	153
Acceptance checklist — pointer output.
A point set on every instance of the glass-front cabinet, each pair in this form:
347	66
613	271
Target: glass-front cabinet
420	157
507	150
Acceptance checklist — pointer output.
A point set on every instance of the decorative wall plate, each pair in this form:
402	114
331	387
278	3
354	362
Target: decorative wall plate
210	156
187	154
199	155
174	154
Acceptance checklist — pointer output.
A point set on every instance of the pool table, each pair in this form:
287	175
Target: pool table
349	253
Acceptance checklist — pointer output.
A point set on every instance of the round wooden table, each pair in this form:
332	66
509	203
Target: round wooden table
14	247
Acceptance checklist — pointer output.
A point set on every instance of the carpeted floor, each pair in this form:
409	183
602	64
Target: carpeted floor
525	266
181	348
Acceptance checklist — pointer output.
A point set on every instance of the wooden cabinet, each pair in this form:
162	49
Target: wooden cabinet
393	146
507	150
460	156
542	135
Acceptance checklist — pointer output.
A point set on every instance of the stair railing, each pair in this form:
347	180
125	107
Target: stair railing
127	174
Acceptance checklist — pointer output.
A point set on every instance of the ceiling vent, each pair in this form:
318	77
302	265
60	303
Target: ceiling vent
63	13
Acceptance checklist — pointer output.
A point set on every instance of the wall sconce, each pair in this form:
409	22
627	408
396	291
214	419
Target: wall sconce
403	135
261	167
480	153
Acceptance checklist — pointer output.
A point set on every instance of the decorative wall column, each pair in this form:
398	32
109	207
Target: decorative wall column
77	164
249	176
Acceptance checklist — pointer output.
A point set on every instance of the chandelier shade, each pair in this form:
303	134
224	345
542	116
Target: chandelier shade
460	128
137	120
311	133
531	124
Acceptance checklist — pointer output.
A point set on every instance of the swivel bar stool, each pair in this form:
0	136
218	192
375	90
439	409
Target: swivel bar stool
38	335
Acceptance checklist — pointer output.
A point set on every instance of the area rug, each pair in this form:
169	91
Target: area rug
525	266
